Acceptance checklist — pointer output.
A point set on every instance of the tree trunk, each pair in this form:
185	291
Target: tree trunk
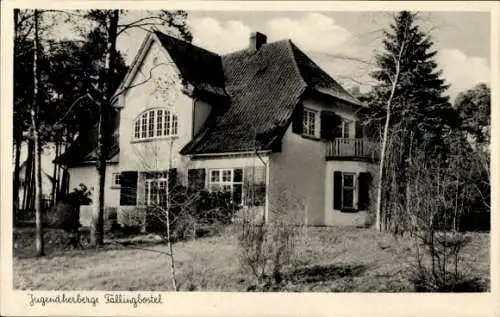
16	183
54	172
27	176
97	228
36	141
17	150
384	140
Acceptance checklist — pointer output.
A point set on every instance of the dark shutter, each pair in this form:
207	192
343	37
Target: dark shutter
330	123
359	129
172	178
337	190
364	182
128	188
297	119
196	178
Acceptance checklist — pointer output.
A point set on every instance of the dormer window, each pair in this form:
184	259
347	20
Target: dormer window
155	123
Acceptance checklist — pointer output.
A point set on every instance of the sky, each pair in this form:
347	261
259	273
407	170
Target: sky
337	41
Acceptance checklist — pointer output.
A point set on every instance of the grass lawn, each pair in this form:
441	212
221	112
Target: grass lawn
328	260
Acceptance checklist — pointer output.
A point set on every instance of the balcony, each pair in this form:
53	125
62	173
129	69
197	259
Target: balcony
350	148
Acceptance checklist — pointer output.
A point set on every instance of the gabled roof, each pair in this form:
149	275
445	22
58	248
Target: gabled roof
83	149
199	67
262	88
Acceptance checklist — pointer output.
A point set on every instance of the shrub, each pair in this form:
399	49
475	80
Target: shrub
266	249
438	264
188	211
65	214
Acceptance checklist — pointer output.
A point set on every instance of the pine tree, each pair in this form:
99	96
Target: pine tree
420	104
411	96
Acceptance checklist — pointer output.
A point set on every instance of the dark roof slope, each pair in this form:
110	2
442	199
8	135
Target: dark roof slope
199	67
83	149
264	87
317	79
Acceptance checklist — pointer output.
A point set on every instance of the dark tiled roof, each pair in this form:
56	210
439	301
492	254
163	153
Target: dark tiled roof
264	87
83	149
199	67
318	79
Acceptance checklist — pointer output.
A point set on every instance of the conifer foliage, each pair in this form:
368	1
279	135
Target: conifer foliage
419	104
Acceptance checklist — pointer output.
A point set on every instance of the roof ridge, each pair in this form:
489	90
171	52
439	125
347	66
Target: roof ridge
247	49
186	42
290	47
296	50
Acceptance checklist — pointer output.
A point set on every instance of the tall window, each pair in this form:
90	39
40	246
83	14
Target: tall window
345	128
310	128
348	189
155	123
227	180
156	191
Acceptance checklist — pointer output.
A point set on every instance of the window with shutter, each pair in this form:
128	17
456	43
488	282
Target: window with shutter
310	127
128	188
337	190
365	180
330	122
297	123
196	179
348	190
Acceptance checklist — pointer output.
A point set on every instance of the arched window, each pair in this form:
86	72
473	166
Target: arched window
155	123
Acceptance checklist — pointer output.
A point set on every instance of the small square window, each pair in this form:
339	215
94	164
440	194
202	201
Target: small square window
115	180
214	176
226	175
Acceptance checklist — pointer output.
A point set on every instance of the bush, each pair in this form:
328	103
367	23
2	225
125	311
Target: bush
266	249
188	211
438	267
65	214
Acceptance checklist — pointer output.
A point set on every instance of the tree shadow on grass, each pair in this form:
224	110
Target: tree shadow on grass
324	273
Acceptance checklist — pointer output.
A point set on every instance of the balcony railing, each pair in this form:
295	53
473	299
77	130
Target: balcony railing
354	148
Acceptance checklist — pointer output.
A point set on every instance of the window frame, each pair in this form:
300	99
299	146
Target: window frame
310	122
114	177
148	126
346	127
220	183
148	193
353	187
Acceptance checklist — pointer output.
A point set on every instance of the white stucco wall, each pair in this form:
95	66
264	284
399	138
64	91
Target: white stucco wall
296	175
163	90
335	217
301	172
88	175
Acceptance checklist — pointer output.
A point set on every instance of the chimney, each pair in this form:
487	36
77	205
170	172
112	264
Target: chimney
257	39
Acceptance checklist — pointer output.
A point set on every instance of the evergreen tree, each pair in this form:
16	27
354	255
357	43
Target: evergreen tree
419	104
409	103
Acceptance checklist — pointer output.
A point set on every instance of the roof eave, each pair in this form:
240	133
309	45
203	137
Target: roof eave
325	92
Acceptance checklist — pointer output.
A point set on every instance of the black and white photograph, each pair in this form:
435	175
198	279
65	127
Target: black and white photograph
179	149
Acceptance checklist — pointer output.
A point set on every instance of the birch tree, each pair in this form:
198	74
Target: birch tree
416	111
34	134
